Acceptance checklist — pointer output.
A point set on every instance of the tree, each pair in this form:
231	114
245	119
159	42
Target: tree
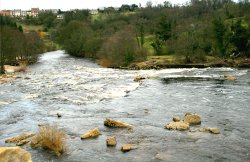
120	49
241	37
220	35
74	37
140	33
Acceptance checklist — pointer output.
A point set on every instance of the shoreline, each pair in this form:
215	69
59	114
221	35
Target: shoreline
164	64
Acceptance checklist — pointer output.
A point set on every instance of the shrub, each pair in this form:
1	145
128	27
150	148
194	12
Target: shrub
50	138
120	49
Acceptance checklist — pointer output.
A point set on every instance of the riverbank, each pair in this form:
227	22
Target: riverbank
162	62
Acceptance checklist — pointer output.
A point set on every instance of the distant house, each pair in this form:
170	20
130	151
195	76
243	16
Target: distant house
34	12
5	13
60	17
23	13
17	13
93	12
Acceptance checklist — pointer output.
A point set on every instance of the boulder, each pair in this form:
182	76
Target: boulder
230	77
192	119
14	154
176	119
19	138
111	141
91	134
177	126
214	130
127	147
117	124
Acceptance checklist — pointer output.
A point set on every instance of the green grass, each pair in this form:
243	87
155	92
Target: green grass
28	28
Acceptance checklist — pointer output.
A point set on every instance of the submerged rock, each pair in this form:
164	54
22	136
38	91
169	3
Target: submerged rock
117	124
214	130
19	138
177	126
14	154
230	77
176	119
127	147
91	134
111	141
192	119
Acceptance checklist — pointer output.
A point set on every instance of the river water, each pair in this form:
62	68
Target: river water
85	94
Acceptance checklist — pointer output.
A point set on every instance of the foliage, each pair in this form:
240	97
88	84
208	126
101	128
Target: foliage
120	49
16	45
74	38
241	37
192	31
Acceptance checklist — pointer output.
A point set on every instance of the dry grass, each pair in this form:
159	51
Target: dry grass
51	138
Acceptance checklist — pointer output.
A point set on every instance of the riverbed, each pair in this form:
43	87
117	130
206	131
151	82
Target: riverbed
86	94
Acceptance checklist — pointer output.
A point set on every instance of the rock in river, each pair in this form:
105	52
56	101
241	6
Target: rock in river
230	77
117	124
14	154
19	138
91	134
177	126
176	119
22	142
214	130
111	141
192	119
127	147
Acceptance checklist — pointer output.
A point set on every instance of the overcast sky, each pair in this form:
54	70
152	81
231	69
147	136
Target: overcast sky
74	4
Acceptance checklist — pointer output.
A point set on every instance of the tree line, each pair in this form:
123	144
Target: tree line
198	29
16	45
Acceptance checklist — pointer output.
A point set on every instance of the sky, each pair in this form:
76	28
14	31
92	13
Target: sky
74	4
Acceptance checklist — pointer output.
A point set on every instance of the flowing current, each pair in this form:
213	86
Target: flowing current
85	94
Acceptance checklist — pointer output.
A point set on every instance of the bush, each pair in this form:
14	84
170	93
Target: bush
120	49
50	138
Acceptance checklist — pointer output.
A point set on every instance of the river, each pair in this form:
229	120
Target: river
85	94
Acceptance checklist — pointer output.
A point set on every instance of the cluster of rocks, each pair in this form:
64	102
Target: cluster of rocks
189	120
110	141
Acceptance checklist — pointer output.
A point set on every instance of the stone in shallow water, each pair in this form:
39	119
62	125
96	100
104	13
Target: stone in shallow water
111	141
127	147
214	130
59	115
230	77
19	138
176	119
117	124
177	126
14	154
192	119
22	142
91	134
